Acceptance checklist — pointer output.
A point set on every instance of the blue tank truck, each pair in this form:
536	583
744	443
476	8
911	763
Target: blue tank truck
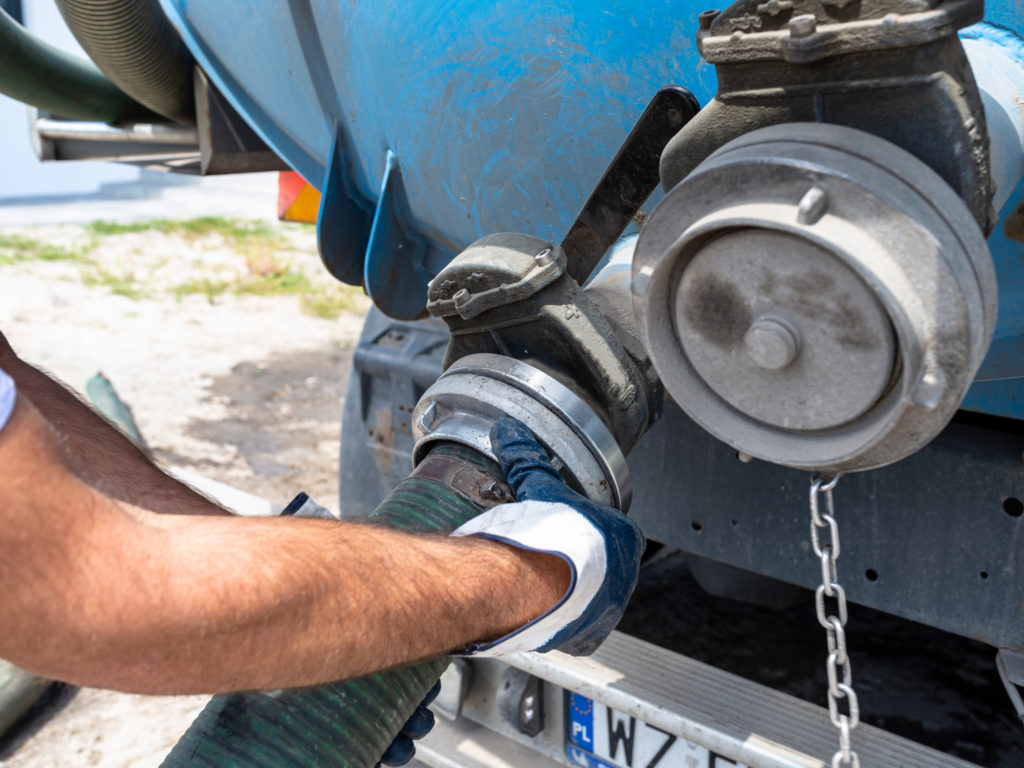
755	275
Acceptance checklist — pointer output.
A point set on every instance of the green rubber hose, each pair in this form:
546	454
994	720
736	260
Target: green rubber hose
348	724
137	47
46	77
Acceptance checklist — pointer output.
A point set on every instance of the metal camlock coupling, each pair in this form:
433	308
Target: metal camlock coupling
528	342
815	296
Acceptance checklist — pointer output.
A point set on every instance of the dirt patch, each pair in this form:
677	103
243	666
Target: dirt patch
295	397
1013	227
101	729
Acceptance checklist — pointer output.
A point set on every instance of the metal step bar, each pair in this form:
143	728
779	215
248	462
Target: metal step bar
739	722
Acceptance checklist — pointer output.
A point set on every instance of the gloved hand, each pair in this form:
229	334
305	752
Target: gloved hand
601	545
416	727
303	506
419	724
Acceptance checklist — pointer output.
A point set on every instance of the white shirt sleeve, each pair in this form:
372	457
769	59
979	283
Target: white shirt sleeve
7	395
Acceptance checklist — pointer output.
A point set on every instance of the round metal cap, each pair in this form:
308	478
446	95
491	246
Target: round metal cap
784	331
816	297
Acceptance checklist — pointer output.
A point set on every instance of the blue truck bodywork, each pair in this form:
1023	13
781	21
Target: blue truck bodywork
430	124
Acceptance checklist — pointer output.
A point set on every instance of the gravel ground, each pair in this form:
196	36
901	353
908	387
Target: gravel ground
241	387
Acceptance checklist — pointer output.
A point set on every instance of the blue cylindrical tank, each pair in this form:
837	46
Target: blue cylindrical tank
466	118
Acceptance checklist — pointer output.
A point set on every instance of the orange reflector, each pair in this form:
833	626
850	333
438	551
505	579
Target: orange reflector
296	199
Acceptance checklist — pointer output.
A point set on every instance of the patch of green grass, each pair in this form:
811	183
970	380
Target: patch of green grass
276	279
238	232
274	284
103	228
331	302
211	289
15	248
119	285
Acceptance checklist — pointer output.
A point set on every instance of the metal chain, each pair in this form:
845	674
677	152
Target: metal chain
840	673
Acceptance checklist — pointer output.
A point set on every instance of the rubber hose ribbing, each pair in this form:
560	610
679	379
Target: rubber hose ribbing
137	47
344	725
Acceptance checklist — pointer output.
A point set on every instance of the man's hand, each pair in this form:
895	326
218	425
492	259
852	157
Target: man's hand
601	545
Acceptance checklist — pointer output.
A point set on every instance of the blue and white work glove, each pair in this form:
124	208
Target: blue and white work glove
401	749
601	545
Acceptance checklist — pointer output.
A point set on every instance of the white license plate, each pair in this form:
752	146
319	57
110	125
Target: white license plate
599	737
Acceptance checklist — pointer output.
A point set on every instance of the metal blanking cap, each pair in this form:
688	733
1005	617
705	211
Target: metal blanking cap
778	326
816	297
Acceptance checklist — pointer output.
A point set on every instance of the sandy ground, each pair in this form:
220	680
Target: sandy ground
245	389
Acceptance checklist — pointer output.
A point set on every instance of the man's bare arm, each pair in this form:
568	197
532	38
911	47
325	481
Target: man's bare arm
97	451
98	594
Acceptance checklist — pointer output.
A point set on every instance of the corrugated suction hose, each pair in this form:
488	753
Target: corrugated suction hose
349	724
136	46
37	73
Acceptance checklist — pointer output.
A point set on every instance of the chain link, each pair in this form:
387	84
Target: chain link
838	667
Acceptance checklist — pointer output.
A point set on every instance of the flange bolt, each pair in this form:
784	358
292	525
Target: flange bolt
771	343
705	18
802	26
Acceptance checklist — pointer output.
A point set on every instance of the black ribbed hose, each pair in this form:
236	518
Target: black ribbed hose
349	724
136	46
37	73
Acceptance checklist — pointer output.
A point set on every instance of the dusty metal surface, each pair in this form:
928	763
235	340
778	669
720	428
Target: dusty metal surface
152	145
226	142
495	271
934	538
470	482
816	297
877	66
530	309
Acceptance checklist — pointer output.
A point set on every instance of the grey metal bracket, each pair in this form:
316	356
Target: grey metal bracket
226	142
1010	665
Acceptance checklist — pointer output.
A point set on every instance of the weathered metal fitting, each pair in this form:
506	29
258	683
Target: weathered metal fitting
494	271
704	18
477	390
800	31
802	26
772	343
873	65
816	297
511	295
473	484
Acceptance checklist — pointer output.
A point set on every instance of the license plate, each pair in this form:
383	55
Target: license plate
600	737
